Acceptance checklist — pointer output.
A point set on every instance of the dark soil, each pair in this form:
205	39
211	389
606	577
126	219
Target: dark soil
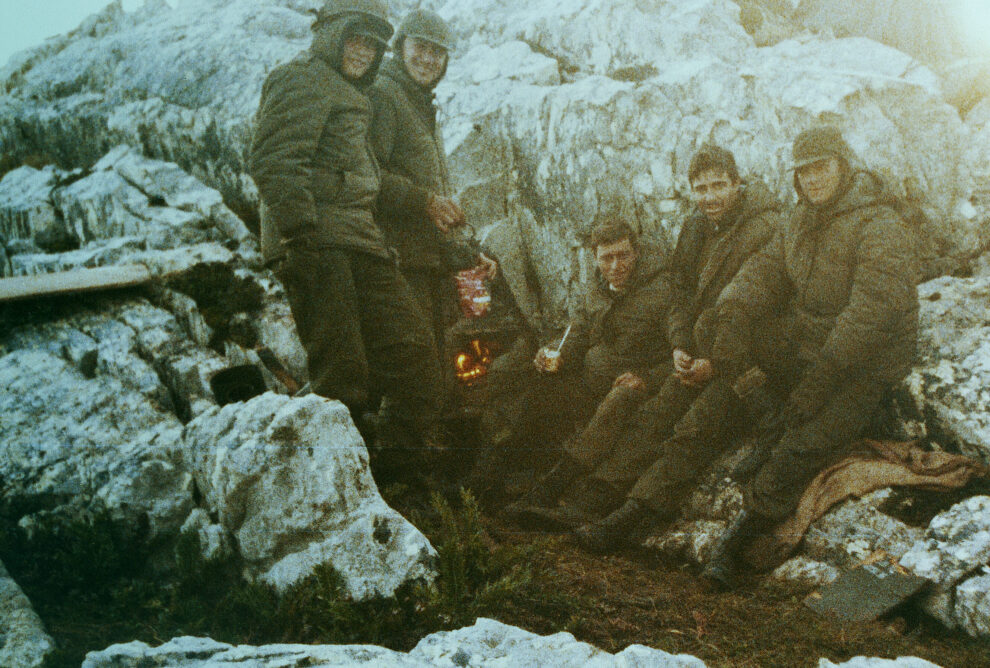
633	598
636	601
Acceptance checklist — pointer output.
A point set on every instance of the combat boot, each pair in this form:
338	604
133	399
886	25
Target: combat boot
549	488
722	568
614	531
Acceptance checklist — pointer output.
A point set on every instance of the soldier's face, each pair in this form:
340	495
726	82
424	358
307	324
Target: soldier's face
715	192
820	180
423	60
359	53
616	261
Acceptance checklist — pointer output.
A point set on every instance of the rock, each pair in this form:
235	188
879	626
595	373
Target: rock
693	541
806	572
966	82
106	447
289	479
23	641
164	183
972	609
949	384
213	541
26	210
956	542
487	643
768	22
855	531
864	662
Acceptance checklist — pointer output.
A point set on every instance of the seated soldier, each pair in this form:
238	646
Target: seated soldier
628	451
618	330
827	315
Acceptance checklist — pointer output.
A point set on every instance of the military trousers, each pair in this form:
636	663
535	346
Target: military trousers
363	331
655	446
807	448
436	296
712	419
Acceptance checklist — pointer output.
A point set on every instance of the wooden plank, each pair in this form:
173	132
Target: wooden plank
73	281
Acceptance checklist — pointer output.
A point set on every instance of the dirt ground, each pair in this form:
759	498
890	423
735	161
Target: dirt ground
632	598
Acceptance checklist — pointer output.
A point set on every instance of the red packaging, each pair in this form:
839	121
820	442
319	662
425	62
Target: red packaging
475	299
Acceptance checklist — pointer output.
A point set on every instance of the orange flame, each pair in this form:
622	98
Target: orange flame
473	363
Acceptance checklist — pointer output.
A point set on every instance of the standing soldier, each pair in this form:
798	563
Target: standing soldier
318	181
416	207
826	316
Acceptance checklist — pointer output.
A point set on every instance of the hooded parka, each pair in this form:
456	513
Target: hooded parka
707	257
829	311
406	140
310	156
659	447
356	316
618	331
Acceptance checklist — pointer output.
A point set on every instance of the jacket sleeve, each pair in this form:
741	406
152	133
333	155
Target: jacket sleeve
288	127
758	289
883	290
682	277
398	196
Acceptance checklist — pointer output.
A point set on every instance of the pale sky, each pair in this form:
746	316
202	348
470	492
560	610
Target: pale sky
26	23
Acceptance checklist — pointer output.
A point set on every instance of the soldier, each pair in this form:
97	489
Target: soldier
822	322
652	455
318	181
616	337
416	207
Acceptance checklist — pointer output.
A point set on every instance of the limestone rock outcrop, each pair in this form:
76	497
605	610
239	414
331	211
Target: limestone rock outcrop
949	384
486	643
289	480
555	114
23	640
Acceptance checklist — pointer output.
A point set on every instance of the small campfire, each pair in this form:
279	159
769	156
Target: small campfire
472	362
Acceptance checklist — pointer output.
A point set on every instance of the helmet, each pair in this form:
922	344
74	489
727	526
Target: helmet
819	143
426	25
374	11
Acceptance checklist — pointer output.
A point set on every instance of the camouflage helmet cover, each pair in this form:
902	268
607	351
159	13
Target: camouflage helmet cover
819	143
426	25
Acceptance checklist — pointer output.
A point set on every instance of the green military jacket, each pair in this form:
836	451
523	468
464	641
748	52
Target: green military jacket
409	147
706	258
310	156
625	327
841	279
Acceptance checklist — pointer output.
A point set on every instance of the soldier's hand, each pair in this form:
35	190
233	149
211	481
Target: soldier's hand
547	360
489	266
699	374
630	380
444	213
682	361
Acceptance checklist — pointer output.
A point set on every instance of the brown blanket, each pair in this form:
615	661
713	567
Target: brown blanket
874	465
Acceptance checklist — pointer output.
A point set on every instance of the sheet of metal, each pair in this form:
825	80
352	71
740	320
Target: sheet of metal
866	592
